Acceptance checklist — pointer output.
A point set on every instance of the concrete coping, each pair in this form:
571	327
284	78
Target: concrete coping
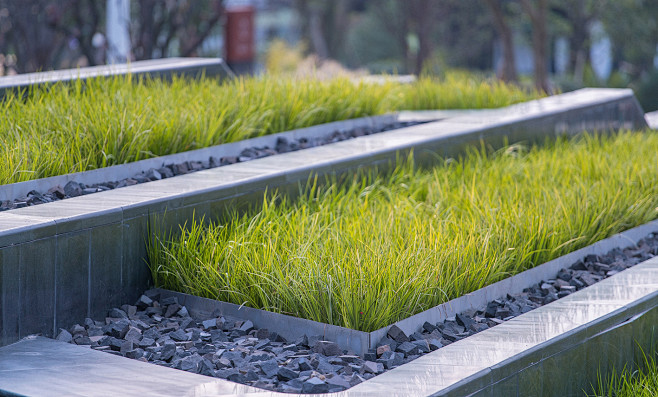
652	119
165	67
122	171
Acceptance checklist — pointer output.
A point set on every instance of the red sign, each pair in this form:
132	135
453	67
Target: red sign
239	31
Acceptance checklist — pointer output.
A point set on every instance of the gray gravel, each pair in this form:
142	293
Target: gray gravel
161	331
74	189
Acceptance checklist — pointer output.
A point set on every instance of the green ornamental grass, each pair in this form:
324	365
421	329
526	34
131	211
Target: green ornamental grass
643	382
77	127
365	252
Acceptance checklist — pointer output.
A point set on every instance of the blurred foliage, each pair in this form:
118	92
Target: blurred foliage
282	57
646	91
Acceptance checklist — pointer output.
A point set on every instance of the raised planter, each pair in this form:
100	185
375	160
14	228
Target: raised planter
166	68
557	349
71	259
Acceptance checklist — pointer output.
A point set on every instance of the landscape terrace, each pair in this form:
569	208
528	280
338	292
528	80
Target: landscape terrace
359	239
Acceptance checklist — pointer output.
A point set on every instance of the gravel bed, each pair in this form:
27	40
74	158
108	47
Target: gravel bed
283	145
161	331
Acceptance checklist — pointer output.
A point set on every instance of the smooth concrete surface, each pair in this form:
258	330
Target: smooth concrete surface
360	342
45	367
165	67
38	244
652	119
557	349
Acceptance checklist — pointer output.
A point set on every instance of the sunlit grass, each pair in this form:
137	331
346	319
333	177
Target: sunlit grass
374	249
77	127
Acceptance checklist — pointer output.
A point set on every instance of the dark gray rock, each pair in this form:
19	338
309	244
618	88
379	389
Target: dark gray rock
435	344
268	367
373	367
304	364
337	383
179	335
165	172
117	313
81	339
327	348
313	339
134	335
168	351
72	189
135	354
315	385
172	309
143	302
464	320
64	336
246	326
397	334
407	348
190	363
77	329
118	329
153	175
206	367
285	374
428	328
423	345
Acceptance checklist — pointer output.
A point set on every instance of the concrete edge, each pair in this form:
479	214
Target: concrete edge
164	67
515	284
621	319
122	171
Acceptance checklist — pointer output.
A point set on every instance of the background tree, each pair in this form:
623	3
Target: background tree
159	23
40	32
537	11
507	71
45	34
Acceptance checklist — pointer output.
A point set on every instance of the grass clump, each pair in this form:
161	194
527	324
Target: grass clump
642	382
77	127
366	252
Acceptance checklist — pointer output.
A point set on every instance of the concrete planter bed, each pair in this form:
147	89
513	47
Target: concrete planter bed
536	352
289	354
60	265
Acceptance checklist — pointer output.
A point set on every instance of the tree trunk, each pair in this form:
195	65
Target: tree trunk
424	16
508	70
539	41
